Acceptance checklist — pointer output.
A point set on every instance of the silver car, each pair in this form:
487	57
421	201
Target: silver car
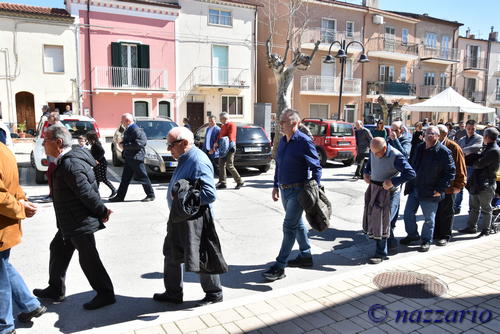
158	159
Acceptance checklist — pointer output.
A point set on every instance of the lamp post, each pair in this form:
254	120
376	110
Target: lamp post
342	55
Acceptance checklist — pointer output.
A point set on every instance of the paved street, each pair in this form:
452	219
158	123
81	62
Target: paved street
249	226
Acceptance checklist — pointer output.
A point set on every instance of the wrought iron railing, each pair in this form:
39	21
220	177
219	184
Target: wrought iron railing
109	77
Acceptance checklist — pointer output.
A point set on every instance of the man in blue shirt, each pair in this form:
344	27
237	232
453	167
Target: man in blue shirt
210	139
295	159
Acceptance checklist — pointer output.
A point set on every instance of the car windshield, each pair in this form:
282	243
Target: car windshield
251	134
78	128
316	128
340	129
156	129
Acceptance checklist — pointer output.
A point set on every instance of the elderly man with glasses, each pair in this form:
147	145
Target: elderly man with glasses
435	169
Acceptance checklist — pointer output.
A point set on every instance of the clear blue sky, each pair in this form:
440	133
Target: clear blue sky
479	15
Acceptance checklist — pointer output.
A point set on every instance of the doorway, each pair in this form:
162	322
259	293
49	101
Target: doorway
195	114
25	109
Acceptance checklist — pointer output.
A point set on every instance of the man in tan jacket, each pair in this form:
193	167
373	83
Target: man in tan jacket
444	214
13	208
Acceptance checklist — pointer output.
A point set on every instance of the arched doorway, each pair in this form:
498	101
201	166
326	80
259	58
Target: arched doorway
25	109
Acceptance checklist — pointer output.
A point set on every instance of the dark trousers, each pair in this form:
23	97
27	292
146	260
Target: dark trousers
444	218
61	252
361	160
135	167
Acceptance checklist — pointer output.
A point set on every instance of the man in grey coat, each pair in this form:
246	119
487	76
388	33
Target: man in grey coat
363	139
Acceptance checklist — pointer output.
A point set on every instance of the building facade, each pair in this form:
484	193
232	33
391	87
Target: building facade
127	59
38	63
493	90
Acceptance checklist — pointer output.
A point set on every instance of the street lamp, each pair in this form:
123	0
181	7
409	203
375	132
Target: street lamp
342	55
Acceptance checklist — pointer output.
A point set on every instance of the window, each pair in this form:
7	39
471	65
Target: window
232	105
349	29
53	59
442	80
386	73
348	69
328	30
220	17
129	65
164	109
402	76
341	129
429	79
141	109
431	40
316	128
390	39
319	110
404	36
473	52
497	92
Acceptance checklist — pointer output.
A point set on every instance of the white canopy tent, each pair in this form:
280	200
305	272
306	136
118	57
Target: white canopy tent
448	101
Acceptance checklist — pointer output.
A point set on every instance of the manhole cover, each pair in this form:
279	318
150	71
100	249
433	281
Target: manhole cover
410	284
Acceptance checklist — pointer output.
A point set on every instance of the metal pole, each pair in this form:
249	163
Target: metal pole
342	63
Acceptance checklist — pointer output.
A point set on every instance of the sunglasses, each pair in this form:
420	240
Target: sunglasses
170	145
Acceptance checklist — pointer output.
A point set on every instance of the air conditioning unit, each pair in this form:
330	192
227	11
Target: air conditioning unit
378	19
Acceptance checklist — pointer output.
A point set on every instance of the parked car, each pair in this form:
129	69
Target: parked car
158	158
253	147
334	140
77	126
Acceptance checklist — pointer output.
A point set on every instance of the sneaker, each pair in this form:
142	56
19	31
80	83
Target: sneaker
209	300
301	262
408	240
441	242
483	233
99	301
239	185
221	186
165	297
468	230
375	260
425	247
48	293
274	273
26	317
148	199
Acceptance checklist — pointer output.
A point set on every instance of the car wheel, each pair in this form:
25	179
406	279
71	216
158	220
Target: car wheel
32	159
348	162
40	177
321	156
264	168
114	158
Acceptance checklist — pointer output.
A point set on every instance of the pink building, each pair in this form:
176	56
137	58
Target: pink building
127	59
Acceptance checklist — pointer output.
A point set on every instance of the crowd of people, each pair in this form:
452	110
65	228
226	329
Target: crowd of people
433	165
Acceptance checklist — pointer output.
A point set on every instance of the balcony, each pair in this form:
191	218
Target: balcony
391	48
327	36
330	86
220	77
474	64
474	96
427	91
391	89
444	56
114	78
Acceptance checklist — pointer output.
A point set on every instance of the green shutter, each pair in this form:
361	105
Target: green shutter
116	54
143	55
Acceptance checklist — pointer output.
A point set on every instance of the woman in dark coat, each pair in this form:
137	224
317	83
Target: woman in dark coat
102	165
418	135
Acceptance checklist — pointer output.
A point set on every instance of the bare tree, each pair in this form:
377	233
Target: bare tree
295	14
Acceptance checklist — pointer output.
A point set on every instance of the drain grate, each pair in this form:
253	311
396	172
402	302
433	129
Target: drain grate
410	284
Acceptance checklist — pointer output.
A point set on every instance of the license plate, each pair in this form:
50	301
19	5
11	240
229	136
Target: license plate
253	149
172	164
344	143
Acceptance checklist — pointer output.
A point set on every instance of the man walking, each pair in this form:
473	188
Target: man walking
228	129
482	183
80	213
182	243
386	170
363	139
470	143
435	170
399	140
295	158
134	150
444	214
211	136
461	132
13	208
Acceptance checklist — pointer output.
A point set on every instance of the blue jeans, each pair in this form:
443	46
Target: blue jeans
459	197
381	245
429	209
293	227
12	289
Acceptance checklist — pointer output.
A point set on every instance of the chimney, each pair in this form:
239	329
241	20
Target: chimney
371	3
467	32
493	37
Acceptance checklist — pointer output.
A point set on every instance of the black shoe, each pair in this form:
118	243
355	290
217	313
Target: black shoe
468	230
164	297
456	211
115	199
26	317
441	242
148	199
99	301
274	273
393	249
425	247
239	185
408	240
221	186
207	301
301	261
113	194
48	293
483	233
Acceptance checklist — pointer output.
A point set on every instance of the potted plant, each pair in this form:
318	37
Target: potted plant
21	128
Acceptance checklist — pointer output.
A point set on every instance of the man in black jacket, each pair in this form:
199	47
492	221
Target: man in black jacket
134	151
363	140
482	183
80	213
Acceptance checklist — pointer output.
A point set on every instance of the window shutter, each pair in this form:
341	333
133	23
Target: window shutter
143	55
116	56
